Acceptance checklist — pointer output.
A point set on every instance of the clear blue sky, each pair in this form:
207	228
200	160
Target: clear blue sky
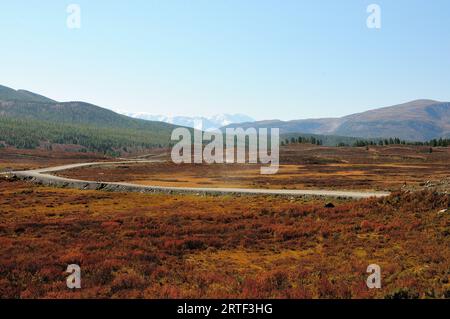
268	59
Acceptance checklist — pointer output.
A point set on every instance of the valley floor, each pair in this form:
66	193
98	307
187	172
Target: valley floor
158	246
135	245
302	167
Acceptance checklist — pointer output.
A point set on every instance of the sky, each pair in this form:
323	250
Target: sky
269	59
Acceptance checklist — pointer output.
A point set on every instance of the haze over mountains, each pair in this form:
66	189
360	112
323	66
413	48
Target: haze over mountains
207	123
419	120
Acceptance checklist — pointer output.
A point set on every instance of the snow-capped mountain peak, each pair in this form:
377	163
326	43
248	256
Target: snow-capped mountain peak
198	122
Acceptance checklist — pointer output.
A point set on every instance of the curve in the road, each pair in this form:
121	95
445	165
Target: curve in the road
43	176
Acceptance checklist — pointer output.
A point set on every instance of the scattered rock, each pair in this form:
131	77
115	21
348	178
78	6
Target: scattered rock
444	211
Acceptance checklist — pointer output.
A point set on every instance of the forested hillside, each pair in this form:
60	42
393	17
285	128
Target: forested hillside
28	120
111	141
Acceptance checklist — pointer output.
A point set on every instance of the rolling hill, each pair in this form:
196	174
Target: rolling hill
29	120
8	94
419	120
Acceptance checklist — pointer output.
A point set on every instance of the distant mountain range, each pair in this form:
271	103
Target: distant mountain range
28	119
198	122
419	120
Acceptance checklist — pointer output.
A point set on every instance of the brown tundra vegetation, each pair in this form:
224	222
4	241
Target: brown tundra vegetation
162	246
302	167
132	245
